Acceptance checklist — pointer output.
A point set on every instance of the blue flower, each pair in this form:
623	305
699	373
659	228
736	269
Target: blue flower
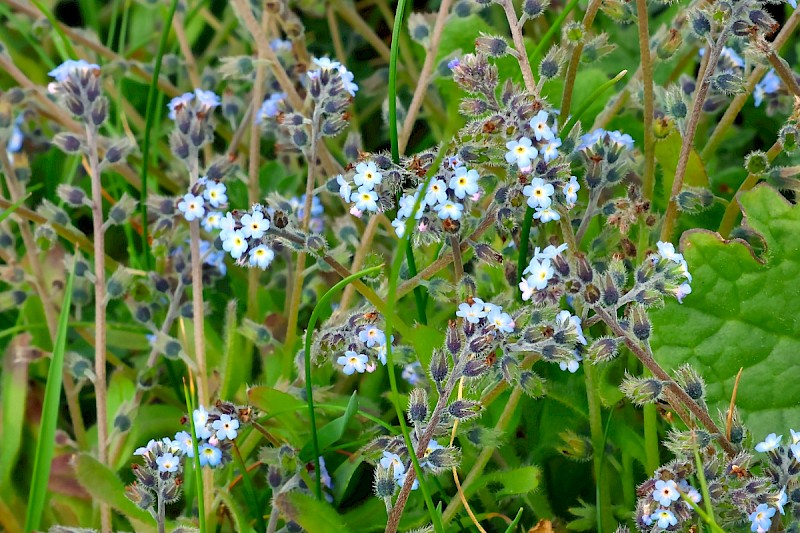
226	427
540	272
15	141
399	226
353	362
567	321
200	417
781	500
769	84
453	63
501	321
209	455
571	192
346	75
270	108
169	463
184	441
235	244
550	150
772	442
365	199
792	3
344	188
436	193
522	152
572	365
207	99
406	206
761	518
394	461
261	256
211	221
546	214
179	101
464	182
280	45
666	492
664	518
541	130
192	207
254	225
62	72
539	193
451	210
472	313
372	336
412	373
215	194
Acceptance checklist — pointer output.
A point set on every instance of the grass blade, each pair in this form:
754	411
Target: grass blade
309	390
45	447
13	207
198	473
148	128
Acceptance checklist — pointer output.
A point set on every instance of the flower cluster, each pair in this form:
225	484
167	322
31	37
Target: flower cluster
663	508
159	478
393	466
357	345
192	114
203	202
244	237
666	252
77	84
540	270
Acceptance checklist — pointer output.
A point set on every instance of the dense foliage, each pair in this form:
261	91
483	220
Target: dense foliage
482	265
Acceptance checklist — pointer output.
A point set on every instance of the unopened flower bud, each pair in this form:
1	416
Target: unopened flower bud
610	294
602	350
728	83
439	368
584	269
694	385
491	46
122	423
641	391
68	143
532	384
274	477
700	23
464	409
73	196
575	447
475	368
694	199
487	254
418	405
756	162
669	45
453	340
384	484
534	8
591	293
444	458
640	322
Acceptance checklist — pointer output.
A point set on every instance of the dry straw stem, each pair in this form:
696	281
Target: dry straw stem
519	46
572	69
265	51
101	401
424	78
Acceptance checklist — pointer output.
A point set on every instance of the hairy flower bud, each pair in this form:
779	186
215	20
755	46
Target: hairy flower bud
491	46
439	368
641	391
756	162
532	384
575	447
73	196
694	199
603	350
384	483
640	322
700	24
418	405
669	44
464	409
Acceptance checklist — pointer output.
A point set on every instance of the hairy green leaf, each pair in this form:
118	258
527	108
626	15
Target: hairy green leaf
741	314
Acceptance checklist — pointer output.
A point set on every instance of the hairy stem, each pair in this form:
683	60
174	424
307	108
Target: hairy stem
646	357
297	288
483	458
603	504
421	88
101	402
519	45
574	60
691	129
648	180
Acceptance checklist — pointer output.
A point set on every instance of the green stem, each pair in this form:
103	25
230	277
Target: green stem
394	52
252	495
552	30
148	127
605	519
198	474
590	101
307	354
651	439
524	241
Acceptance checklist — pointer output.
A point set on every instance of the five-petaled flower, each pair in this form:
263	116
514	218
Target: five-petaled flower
167	463
353	362
225	427
772	442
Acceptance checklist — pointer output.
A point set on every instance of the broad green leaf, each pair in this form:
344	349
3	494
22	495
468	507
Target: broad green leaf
668	151
331	432
103	485
509	482
313	515
742	314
